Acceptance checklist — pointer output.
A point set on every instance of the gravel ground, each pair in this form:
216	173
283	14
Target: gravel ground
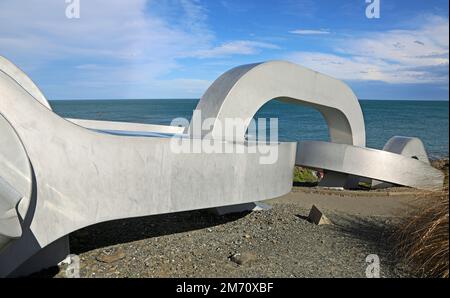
280	242
275	243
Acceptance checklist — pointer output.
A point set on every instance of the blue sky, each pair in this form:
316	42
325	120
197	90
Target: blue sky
176	48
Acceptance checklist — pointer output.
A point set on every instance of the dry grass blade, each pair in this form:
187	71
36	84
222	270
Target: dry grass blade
423	239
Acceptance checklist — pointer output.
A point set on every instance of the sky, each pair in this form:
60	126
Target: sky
135	49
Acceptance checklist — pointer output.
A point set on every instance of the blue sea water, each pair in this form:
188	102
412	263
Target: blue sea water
427	120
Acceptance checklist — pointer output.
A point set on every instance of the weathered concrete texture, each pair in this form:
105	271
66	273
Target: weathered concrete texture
370	163
15	183
26	83
249	207
242	91
118	127
59	175
84	177
406	146
23	80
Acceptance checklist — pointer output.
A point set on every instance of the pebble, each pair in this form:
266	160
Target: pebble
243	258
243	247
110	256
317	217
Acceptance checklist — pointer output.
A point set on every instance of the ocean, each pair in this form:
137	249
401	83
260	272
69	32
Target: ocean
427	120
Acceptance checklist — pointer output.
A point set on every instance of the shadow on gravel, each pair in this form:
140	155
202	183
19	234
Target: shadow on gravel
377	233
133	229
305	184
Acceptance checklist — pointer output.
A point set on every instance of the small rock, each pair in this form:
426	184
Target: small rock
243	258
247	236
317	217
110	256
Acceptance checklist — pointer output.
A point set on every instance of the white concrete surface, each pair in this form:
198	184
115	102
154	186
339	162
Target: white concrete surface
83	177
371	163
127	126
243	90
59	175
23	80
406	146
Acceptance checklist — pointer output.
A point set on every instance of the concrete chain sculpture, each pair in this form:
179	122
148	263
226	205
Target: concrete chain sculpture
409	147
59	175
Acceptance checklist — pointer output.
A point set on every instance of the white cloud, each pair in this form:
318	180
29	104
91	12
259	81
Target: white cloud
354	67
310	32
133	45
238	47
396	56
38	33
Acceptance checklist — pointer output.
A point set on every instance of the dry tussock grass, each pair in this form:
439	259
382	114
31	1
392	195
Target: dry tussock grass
423	238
